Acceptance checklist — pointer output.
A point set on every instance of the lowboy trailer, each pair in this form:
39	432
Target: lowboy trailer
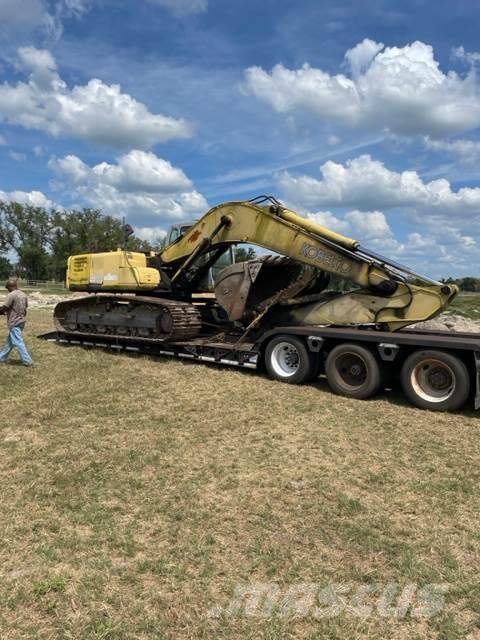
437	370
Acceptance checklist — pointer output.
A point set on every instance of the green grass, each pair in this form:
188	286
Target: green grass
137	494
466	304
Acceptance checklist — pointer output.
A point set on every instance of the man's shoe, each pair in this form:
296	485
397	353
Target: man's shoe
30	364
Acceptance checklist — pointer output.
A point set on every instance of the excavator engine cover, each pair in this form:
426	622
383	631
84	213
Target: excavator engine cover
249	287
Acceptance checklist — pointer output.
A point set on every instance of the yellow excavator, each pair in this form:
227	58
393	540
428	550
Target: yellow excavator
157	298
158	290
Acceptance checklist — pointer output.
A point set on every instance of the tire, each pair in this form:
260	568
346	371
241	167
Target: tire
288	359
353	371
435	380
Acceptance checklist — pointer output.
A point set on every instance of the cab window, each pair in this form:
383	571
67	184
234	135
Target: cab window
174	233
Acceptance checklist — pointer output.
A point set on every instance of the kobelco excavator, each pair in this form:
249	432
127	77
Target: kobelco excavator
154	298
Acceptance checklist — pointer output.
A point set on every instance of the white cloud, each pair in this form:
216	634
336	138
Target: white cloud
466	56
444	240
17	156
182	7
369	224
71	167
401	89
34	198
437	250
333	140
364	225
30	17
368	185
326	219
468	151
141	171
95	111
38	17
360	57
3	142
152	234
75	7
38	151
140	185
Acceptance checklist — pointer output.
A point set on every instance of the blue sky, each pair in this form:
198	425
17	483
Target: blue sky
363	116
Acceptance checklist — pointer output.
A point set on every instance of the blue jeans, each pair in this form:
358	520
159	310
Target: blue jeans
15	341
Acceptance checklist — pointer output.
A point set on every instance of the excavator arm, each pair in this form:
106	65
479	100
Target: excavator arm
276	229
387	296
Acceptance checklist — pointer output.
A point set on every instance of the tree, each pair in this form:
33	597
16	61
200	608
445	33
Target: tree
6	268
86	231
43	240
242	254
468	284
25	229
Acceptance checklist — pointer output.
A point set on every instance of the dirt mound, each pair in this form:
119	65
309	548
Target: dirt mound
446	322
38	299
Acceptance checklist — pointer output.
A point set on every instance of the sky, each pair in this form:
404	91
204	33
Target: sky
364	116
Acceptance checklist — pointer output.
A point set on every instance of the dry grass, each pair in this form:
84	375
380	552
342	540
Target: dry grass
466	304
137	493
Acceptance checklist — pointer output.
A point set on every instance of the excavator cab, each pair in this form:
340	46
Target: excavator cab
177	231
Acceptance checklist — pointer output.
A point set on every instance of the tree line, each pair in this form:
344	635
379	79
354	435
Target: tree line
42	240
469	283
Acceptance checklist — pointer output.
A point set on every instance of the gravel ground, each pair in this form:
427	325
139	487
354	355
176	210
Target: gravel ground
445	322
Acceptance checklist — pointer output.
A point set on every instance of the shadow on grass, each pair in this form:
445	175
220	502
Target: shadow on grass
394	395
15	363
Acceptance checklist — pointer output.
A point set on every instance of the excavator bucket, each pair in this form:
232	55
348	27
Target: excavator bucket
252	286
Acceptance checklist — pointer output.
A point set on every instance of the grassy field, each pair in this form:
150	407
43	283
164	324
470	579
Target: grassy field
468	305
138	494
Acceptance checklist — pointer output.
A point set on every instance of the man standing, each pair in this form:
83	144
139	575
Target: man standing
15	306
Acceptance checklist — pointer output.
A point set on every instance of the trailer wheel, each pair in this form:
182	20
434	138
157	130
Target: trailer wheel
435	380
288	359
353	371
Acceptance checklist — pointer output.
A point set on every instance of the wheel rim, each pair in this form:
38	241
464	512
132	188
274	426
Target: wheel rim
285	359
352	369
433	380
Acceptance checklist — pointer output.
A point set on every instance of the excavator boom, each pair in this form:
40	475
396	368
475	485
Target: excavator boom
387	296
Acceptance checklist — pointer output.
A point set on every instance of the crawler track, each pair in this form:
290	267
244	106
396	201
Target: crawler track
126	315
